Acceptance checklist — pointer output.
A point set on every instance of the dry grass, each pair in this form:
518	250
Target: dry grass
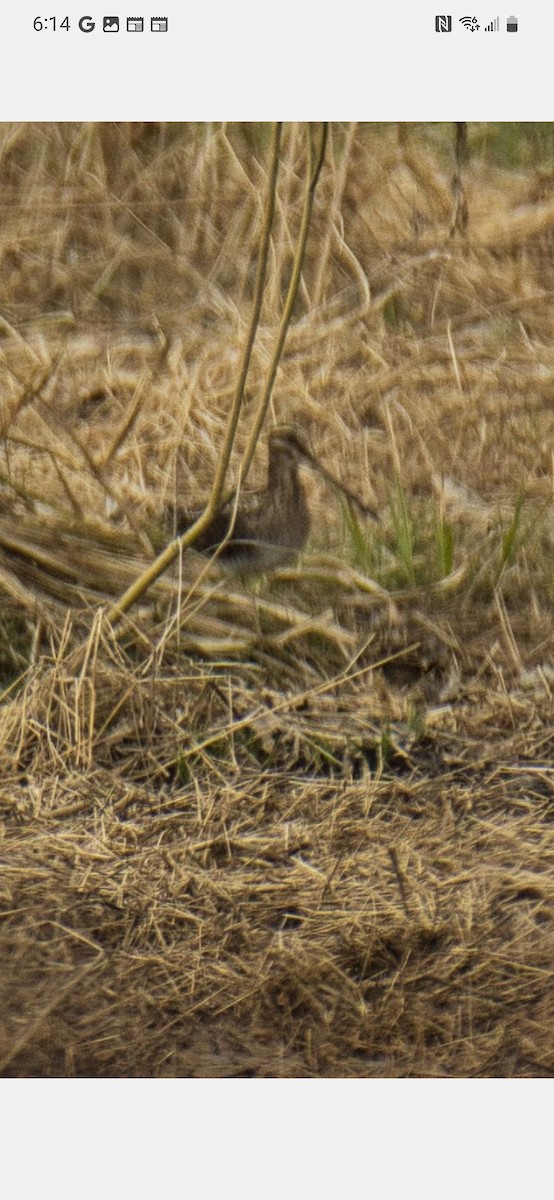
299	824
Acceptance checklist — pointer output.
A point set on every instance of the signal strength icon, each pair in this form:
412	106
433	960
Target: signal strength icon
469	23
494	26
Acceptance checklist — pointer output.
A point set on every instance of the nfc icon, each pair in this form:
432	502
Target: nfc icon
443	24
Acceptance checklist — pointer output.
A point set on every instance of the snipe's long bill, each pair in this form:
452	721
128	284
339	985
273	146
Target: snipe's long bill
269	527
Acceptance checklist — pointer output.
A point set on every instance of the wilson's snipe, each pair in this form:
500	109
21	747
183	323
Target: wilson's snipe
272	525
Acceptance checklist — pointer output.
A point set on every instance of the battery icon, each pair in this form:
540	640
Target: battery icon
511	24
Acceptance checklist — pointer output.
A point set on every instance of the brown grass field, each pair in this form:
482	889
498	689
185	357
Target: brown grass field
297	824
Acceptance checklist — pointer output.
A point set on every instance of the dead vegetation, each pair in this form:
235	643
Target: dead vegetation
298	824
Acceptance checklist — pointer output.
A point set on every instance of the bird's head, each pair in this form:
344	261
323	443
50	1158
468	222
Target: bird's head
287	443
289	448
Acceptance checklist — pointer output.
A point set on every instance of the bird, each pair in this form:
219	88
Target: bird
269	527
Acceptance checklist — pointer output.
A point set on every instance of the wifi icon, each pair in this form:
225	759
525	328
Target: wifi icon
469	23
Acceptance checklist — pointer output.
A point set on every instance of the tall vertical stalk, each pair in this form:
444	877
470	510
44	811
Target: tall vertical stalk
164	560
